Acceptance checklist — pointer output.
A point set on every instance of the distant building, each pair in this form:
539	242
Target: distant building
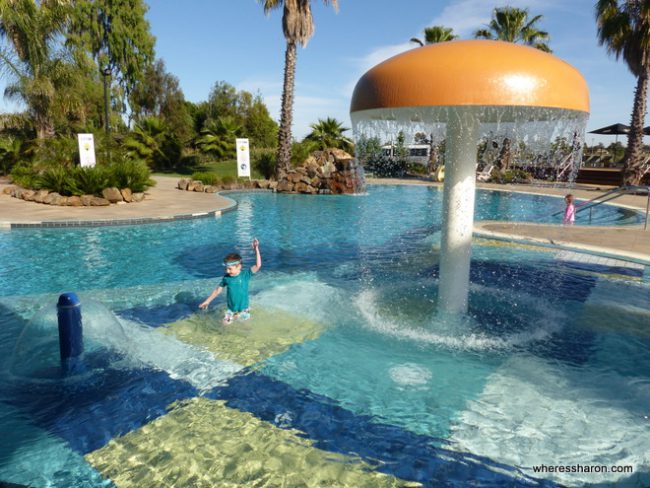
416	153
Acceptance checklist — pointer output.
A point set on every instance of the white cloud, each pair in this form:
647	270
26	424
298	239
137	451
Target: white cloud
307	107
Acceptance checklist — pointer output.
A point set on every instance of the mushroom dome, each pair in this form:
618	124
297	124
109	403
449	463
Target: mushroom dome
472	73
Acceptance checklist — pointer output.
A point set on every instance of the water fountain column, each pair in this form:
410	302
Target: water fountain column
458	210
501	83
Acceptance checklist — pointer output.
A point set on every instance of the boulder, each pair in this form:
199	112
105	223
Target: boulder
182	184
112	194
28	195
52	199
8	189
138	197
74	201
86	199
127	195
40	195
305	188
284	186
99	202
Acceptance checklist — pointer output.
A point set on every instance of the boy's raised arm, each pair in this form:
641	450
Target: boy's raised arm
258	256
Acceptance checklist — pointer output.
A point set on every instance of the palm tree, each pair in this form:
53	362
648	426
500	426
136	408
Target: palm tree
511	24
329	133
435	34
298	27
39	75
152	142
12	151
624	28
218	137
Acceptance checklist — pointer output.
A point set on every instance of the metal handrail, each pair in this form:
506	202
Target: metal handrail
612	195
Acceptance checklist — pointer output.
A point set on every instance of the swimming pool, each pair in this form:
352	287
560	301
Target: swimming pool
345	376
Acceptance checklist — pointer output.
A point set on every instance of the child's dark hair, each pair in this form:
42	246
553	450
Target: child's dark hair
233	256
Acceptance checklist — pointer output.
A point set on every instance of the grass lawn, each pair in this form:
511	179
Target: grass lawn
220	168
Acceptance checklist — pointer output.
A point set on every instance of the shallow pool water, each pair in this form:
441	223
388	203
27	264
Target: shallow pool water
346	375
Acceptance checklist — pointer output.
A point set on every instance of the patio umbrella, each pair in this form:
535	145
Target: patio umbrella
614	129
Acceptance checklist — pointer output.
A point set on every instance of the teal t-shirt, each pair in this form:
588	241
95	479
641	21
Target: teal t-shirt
237	290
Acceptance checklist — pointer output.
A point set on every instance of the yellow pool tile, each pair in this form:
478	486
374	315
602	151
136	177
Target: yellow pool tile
267	333
202	443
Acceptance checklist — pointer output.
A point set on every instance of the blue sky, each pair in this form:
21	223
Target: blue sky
204	41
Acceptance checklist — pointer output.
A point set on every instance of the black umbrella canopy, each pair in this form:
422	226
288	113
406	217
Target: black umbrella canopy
614	129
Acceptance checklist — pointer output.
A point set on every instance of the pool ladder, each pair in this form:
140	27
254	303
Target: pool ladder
612	195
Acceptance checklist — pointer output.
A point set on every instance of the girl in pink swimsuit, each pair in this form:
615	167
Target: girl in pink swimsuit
570	211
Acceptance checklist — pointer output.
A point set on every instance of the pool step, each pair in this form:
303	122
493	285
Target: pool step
600	264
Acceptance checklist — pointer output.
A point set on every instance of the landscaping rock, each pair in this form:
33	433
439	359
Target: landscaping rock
112	194
74	201
138	197
86	199
27	195
39	196
127	195
52	198
99	202
332	170
183	183
7	190
284	186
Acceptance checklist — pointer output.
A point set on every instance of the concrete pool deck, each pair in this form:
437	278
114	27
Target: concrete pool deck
164	202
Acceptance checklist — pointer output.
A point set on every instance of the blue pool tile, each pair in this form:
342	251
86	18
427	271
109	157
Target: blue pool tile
160	314
89	413
389	449
548	282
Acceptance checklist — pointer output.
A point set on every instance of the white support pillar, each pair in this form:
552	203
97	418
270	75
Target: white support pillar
458	211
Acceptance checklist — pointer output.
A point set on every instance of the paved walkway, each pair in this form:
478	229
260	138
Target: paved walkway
162	202
165	202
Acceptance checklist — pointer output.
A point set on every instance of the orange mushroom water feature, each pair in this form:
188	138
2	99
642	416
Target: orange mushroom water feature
463	90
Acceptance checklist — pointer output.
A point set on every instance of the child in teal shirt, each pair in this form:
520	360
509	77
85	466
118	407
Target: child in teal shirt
236	282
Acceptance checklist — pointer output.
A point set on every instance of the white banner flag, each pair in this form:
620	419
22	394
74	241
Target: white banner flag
86	150
243	159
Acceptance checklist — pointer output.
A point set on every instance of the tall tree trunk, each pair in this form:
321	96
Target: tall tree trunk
633	169
44	128
286	117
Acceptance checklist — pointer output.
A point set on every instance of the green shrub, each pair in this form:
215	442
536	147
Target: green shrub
207	178
227	180
25	175
416	168
133	174
301	151
264	161
59	180
57	151
91	181
189	163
